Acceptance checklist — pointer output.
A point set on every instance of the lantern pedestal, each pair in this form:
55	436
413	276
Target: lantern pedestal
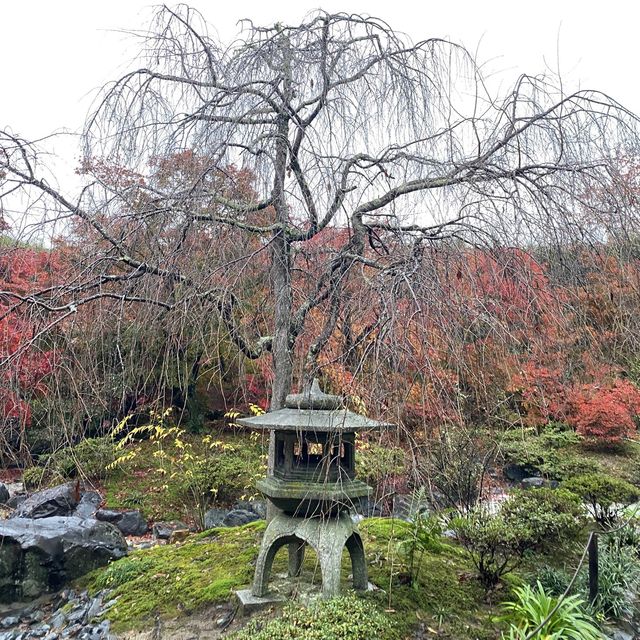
326	536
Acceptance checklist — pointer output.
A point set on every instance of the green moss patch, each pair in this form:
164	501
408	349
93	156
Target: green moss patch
447	598
174	580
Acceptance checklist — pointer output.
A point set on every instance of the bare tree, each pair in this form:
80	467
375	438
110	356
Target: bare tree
342	123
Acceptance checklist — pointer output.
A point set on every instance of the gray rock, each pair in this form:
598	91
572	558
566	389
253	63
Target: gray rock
58	620
37	556
214	518
16	500
9	621
532	483
163	530
37	616
259	507
95	608
518	472
131	523
88	505
72	631
78	614
4	494
238	517
57	501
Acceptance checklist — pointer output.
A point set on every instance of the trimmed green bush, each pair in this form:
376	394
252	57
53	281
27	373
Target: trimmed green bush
528	520
549	451
605	495
548	514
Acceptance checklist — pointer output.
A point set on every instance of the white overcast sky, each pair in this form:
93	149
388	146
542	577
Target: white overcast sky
54	54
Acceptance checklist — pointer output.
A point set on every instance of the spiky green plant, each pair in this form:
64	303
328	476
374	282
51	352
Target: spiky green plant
533	606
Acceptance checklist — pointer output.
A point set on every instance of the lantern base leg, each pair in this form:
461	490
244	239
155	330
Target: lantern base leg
326	536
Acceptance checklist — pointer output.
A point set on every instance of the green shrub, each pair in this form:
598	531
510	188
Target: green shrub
376	462
606	496
547	451
218	476
495	547
89	458
345	618
40	477
533	606
528	520
548	514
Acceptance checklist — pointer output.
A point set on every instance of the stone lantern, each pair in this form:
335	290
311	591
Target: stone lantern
313	484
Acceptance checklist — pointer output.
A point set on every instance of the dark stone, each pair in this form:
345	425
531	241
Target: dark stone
4	494
88	505
57	501
9	621
532	483
16	500
131	523
108	515
40	555
259	507
518	472
214	518
78	614
239	517
163	530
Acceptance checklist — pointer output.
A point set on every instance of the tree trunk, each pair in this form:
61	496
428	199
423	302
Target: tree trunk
281	272
281	348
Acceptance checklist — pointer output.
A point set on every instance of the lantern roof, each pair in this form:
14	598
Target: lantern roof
313	410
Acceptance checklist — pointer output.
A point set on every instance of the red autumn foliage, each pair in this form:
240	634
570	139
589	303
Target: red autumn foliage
543	392
25	364
605	413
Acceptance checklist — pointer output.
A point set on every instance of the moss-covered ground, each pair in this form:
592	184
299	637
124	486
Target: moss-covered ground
175	580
